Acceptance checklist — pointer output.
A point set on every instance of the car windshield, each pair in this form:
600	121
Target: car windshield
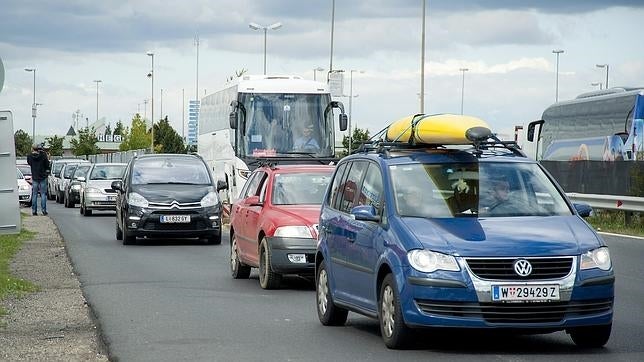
169	170
81	171
69	171
107	172
56	167
19	174
487	189
300	188
25	169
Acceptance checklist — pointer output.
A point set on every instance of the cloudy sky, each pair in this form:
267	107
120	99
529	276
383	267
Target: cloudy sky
506	45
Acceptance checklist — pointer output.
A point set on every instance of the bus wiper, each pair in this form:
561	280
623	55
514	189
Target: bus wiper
310	154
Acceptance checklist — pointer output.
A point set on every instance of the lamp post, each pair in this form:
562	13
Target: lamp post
595	84
332	29
315	72
145	109
351	105
422	64
97	81
33	107
557	52
256	26
151	54
463	70
604	66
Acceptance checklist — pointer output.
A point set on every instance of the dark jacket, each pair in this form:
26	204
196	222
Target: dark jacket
39	165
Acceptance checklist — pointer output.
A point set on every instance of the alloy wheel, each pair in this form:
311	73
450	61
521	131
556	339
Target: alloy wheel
323	292
388	311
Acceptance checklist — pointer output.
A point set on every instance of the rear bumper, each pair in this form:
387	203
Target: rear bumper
281	248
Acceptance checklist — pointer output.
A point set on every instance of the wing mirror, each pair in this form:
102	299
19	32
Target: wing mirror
253	201
365	213
117	185
584	210
222	185
531	127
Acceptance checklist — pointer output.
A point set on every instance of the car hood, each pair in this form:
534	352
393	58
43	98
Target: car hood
166	193
525	236
296	215
100	184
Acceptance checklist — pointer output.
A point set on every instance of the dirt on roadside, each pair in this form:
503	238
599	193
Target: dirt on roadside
55	323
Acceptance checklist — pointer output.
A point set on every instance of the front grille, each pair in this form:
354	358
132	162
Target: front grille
516	312
104	203
157	225
110	191
503	268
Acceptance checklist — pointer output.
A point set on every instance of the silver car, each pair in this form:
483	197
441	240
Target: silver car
97	194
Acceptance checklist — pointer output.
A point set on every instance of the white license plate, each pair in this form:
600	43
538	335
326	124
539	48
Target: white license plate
525	293
175	218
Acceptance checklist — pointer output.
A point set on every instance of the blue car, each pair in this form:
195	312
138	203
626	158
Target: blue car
463	237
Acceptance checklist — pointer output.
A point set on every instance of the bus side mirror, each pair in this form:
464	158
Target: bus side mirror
344	120
222	185
232	119
531	127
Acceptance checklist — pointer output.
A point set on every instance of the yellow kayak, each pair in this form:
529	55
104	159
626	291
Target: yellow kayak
445	129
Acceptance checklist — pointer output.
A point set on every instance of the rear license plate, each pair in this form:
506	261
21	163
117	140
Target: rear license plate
525	293
175	219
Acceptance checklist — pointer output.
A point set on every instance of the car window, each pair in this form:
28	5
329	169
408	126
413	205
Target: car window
336	183
19	174
372	190
81	171
69	171
26	170
350	194
300	188
262	189
56	167
253	184
170	170
107	172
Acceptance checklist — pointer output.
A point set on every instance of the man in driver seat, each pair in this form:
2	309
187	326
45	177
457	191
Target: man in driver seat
306	141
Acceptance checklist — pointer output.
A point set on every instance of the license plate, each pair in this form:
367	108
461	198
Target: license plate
525	293
175	219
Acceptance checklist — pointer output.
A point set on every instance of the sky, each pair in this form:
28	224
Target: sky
506	45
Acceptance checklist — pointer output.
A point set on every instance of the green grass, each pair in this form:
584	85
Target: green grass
613	222
9	284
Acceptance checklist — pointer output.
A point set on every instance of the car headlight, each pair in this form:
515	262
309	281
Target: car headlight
428	261
24	187
76	187
137	200
244	173
211	199
92	190
293	232
598	258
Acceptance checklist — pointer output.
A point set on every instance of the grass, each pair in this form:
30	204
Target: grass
9	284
613	222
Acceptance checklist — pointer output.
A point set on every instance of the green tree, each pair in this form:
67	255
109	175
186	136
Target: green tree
55	145
85	144
135	137
23	143
108	130
359	136
118	129
166	139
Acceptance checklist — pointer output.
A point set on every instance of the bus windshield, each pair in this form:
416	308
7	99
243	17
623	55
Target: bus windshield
283	124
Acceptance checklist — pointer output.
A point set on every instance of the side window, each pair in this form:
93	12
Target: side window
371	193
350	191
336	184
262	188
253	184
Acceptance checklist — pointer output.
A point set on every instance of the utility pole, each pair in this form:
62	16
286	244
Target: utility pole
422	65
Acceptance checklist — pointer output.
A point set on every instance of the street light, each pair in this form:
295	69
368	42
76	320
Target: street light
604	66
256	26
332	29
463	87
595	84
151	75
351	105
422	64
315	72
33	107
557	52
97	81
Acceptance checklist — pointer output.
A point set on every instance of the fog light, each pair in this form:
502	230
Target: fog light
133	225
297	258
214	217
136	218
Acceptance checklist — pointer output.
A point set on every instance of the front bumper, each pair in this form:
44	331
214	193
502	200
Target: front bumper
24	196
204	222
301	250
100	201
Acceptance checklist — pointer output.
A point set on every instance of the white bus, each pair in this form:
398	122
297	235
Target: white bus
266	119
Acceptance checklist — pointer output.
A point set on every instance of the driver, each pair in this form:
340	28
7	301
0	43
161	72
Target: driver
306	141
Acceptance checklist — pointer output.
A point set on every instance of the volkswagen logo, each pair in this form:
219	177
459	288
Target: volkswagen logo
522	267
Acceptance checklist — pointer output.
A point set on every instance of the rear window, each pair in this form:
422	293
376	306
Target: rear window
170	170
107	172
26	170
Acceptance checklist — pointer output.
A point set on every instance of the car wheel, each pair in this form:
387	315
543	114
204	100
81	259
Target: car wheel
328	313
66	202
128	239
86	211
267	278
237	269
591	337
57	198
392	325
119	232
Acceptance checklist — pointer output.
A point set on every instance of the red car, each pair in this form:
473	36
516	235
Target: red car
273	225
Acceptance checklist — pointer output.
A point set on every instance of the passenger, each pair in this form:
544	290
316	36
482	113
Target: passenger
500	196
306	141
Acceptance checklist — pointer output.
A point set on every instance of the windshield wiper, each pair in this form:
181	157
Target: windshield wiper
310	154
171	183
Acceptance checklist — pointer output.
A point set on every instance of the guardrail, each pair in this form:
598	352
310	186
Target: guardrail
610	202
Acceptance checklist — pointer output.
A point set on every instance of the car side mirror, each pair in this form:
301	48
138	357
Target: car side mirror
80	179
584	210
117	185
222	185
253	201
365	213
344	121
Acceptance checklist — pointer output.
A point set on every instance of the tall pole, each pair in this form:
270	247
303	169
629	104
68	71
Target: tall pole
97	81
145	109
197	75
161	103
33	108
183	114
557	52
604	66
256	26
332	29
152	106
463	87
422	65
350	109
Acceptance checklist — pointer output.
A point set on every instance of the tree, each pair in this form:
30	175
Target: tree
357	138
166	139
55	145
108	130
238	74
85	144
118	129
23	143
136	137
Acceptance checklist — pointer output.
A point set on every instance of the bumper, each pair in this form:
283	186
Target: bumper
24	196
147	223
297	248
94	201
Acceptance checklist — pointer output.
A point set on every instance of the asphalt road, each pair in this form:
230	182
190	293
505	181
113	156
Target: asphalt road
171	301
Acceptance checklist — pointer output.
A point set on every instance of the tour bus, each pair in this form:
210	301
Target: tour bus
582	141
264	118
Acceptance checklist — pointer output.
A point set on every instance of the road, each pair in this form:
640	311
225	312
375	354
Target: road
171	301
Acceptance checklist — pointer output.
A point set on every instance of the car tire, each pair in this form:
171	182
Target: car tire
66	202
128	239
267	278
328	313
393	329
86	211
591	337
214	240
57	198
119	232
237	269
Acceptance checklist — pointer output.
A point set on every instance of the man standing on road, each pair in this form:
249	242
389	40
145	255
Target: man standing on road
39	163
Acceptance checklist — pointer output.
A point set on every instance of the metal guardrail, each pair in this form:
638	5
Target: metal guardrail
610	202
